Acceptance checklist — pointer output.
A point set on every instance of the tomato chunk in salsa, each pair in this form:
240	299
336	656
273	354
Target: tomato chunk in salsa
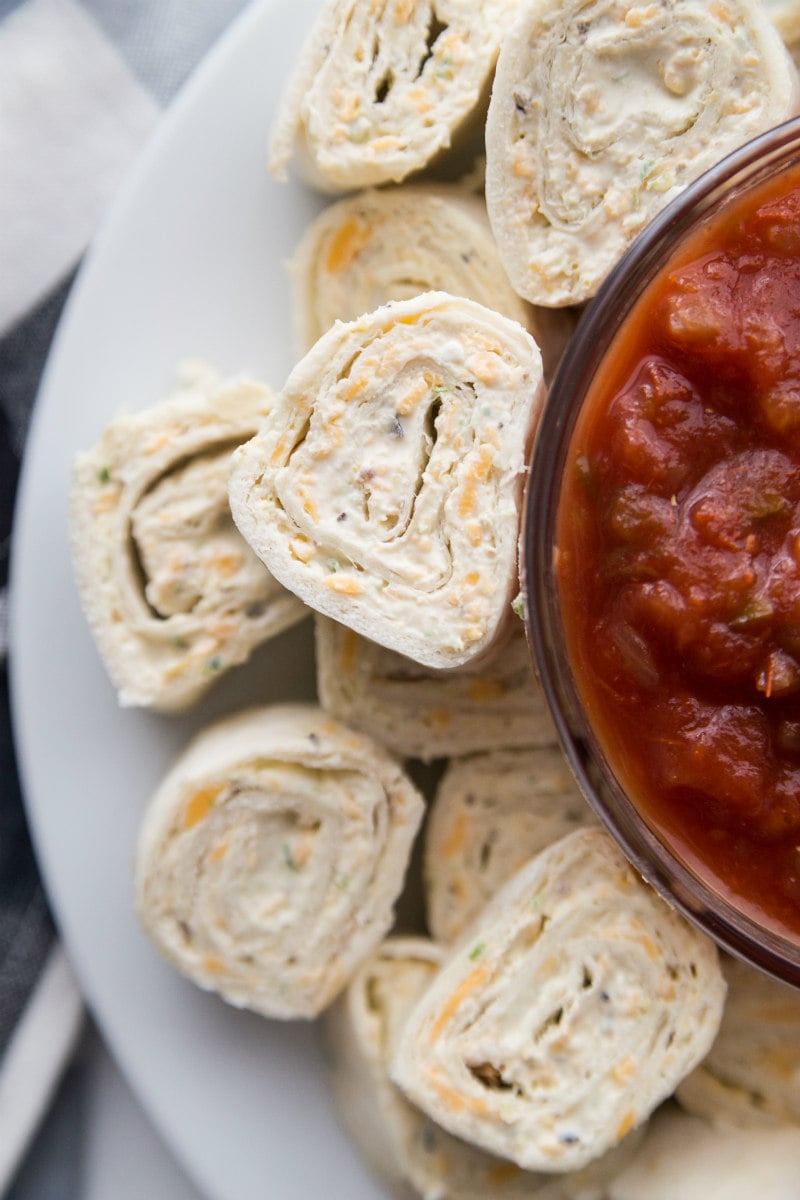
679	551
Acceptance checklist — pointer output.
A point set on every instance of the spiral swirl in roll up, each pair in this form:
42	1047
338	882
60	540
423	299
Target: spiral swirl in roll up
384	488
271	856
602	111
383	86
402	1143
570	1008
172	593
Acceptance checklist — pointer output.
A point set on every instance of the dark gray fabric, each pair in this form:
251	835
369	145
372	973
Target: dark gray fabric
26	934
7	6
53	1168
26	931
23	350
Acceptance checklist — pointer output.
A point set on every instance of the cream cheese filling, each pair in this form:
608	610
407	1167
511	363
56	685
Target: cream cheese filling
191	552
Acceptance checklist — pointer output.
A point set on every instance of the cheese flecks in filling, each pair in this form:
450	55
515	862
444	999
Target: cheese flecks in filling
381	88
271	856
491	814
566	1012
393	244
189	548
603	111
751	1076
402	1143
427	713
173	594
384	488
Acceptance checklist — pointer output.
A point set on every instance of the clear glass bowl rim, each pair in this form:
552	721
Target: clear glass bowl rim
731	928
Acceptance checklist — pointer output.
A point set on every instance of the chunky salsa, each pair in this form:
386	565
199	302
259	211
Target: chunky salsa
679	551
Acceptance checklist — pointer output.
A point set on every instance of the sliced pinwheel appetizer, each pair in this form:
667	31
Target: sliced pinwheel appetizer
393	244
491	815
751	1075
173	594
399	1141
384	488
685	1157
569	1009
602	112
271	856
420	712
382	88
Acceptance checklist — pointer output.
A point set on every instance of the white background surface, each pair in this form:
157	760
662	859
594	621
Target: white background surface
190	264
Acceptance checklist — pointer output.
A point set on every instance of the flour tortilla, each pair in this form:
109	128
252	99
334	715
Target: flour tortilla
424	713
491	814
565	1014
172	593
381	89
602	112
271	856
384	489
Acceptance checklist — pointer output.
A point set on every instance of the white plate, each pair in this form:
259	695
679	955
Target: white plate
190	264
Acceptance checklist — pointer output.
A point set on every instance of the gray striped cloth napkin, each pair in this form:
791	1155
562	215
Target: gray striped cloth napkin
82	84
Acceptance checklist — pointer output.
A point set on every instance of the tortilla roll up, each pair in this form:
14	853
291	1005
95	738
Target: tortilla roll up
172	593
751	1076
568	1010
401	1143
384	488
601	113
685	1158
381	90
395	243
785	15
492	813
271	856
419	712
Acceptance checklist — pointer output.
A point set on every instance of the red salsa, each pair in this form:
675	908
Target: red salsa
679	551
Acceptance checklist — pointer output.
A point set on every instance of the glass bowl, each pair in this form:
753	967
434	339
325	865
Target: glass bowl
736	924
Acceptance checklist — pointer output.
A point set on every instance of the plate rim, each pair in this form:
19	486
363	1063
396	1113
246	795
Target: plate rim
220	58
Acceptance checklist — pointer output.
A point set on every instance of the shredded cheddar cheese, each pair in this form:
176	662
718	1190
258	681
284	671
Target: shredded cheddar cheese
200	804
